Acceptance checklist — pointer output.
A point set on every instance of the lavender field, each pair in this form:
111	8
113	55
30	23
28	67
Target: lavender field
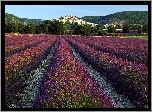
46	71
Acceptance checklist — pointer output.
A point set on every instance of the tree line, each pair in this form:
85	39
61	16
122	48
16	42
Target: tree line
60	28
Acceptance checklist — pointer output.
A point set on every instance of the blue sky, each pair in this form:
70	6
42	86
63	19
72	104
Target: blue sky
47	12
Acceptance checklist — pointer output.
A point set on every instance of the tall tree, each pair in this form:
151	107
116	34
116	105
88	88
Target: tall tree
94	30
11	27
38	29
111	29
79	30
21	28
66	27
125	28
86	29
145	28
30	29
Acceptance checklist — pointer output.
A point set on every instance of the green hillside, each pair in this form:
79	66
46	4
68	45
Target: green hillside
10	18
130	17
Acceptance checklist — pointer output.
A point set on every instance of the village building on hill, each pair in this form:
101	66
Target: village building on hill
73	19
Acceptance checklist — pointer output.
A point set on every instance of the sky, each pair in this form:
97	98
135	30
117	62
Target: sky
48	12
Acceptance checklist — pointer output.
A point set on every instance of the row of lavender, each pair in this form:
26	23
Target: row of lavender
19	65
16	44
11	39
127	48
29	93
69	85
128	78
20	60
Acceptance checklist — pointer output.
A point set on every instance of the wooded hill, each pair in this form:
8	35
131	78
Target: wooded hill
10	18
129	17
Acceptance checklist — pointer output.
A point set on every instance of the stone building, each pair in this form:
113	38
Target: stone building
73	19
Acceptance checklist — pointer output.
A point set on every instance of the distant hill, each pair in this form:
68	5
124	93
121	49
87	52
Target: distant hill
12	18
33	21
130	17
